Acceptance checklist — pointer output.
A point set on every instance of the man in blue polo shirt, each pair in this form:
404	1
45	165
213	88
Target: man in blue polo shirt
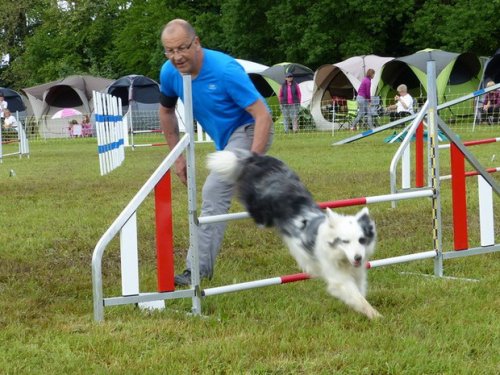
230	110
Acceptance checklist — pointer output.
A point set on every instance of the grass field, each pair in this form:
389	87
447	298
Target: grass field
56	207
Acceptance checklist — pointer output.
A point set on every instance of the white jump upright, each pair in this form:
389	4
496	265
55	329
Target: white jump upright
23	148
109	129
126	221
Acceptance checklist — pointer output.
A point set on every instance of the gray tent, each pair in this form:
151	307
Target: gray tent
70	92
15	102
456	74
140	97
141	92
492	69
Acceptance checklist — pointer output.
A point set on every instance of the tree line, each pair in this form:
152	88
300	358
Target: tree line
50	39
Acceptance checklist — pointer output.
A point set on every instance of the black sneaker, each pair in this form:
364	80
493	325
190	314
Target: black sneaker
184	279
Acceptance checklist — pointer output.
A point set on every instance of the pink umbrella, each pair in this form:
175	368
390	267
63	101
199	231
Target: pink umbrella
66	112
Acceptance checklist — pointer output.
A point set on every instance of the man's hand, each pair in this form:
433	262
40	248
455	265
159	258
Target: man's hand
181	169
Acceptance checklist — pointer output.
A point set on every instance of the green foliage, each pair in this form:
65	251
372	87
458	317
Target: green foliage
111	38
459	25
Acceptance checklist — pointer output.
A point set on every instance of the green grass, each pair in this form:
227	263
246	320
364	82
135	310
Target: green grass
53	212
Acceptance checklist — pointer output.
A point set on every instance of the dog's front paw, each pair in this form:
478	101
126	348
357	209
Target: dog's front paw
371	313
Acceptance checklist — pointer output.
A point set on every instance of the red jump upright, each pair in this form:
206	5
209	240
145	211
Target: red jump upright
164	234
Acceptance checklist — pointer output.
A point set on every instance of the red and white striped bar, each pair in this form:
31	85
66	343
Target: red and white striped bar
419	159
378	199
255	284
474	143
401	259
304	276
330	204
147	131
471	173
150	144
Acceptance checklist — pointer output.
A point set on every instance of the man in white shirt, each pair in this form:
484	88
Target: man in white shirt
3	107
403	106
10	122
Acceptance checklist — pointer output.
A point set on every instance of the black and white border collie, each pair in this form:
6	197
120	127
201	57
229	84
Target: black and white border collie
325	244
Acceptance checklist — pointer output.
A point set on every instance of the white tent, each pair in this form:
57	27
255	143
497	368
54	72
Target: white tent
342	80
252	67
71	92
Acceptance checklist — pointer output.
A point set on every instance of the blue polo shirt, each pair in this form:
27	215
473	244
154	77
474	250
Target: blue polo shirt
221	92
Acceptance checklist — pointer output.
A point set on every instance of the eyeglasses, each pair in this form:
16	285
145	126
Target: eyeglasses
180	50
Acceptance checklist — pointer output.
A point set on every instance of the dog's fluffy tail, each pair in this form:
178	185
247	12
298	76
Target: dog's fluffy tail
227	164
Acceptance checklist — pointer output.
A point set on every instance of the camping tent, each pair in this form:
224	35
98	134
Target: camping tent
456	74
342	80
254	71
141	92
70	92
275	76
492	69
140	98
14	101
277	72
491	72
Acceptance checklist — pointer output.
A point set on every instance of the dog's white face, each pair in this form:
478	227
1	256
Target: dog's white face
347	237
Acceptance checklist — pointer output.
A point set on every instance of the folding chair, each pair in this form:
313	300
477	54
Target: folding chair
375	109
352	112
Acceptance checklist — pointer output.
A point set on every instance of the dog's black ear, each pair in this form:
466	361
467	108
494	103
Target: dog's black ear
362	212
366	224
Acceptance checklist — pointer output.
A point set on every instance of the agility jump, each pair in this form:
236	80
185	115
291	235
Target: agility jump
125	225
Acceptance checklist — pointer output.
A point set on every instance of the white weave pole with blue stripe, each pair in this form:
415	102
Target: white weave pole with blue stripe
109	129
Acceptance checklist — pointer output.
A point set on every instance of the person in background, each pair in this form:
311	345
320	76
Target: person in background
363	99
403	106
228	107
75	129
86	126
491	105
290	97
3	107
10	125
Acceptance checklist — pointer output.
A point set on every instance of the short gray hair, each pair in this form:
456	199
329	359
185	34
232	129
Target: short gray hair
402	87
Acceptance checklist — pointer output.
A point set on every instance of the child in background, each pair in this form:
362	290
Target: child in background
75	129
86	127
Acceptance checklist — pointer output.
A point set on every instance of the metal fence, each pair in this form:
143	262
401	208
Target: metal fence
331	116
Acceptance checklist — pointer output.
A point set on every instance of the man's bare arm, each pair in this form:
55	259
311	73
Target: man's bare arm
263	124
